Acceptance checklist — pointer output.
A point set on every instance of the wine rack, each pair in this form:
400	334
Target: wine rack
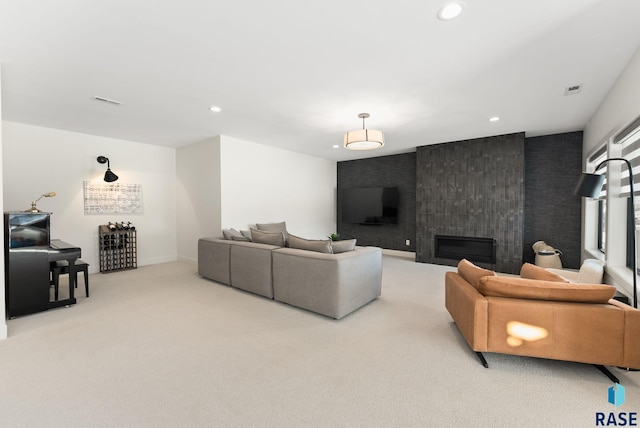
118	248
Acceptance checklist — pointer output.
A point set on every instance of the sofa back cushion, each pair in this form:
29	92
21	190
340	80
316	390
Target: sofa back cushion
318	245
274	227
503	286
230	233
529	271
271	238
343	246
472	273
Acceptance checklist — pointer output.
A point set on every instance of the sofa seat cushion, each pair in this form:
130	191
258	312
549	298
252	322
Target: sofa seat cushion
472	273
529	271
544	290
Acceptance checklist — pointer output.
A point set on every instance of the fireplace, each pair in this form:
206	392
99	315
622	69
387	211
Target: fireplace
466	247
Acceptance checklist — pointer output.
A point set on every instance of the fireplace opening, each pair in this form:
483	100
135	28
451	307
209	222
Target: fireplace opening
466	247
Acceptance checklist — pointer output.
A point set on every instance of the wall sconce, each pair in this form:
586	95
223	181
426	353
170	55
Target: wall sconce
109	176
35	209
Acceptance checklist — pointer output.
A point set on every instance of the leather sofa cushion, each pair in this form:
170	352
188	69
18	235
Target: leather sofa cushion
472	273
544	290
529	271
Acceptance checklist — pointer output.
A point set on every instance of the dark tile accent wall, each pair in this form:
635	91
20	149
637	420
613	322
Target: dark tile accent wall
472	188
553	164
385	171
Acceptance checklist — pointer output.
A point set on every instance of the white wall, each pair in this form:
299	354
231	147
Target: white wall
37	160
3	315
198	194
618	109
262	184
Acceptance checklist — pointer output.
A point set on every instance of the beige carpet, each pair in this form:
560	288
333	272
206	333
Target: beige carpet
161	347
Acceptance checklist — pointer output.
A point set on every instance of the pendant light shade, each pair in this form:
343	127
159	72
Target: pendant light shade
363	139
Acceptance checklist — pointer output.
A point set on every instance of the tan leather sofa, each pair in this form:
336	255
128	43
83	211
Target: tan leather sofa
545	318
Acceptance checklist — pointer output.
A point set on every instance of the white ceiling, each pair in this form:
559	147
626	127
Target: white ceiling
295	74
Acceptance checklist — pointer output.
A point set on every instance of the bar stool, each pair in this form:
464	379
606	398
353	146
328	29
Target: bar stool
61	267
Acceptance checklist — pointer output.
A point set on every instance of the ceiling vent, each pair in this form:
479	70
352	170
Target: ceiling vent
573	89
107	100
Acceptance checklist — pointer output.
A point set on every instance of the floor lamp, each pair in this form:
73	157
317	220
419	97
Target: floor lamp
590	186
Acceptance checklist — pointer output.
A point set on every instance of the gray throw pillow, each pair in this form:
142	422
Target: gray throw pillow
230	233
318	245
343	246
271	238
274	227
241	238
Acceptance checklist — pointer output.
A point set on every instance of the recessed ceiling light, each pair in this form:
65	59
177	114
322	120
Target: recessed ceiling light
215	109
450	11
494	119
335	146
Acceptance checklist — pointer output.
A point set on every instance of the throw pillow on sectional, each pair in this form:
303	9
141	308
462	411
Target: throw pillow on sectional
343	246
317	245
230	233
274	227
264	237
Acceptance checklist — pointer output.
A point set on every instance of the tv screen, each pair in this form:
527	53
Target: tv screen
370	205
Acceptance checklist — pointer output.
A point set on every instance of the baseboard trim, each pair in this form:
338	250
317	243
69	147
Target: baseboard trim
397	253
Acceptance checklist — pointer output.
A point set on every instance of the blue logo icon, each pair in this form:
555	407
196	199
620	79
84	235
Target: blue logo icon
616	395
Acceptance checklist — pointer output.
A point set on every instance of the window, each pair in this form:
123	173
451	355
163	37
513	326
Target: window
592	162
629	139
602	224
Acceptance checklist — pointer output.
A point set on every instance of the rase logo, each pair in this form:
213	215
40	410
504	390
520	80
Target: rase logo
619	419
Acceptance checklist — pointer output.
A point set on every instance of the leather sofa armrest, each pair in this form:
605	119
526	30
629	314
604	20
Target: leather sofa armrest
631	334
468	308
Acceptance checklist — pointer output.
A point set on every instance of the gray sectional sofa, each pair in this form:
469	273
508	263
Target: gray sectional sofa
333	285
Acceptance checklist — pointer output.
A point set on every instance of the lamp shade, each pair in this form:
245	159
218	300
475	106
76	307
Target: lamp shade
363	139
589	185
109	176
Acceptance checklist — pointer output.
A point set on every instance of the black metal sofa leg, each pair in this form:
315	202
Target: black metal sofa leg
482	360
607	373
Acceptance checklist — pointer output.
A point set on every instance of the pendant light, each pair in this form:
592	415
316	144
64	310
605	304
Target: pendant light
363	139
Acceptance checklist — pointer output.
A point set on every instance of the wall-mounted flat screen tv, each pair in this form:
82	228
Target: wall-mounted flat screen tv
370	205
